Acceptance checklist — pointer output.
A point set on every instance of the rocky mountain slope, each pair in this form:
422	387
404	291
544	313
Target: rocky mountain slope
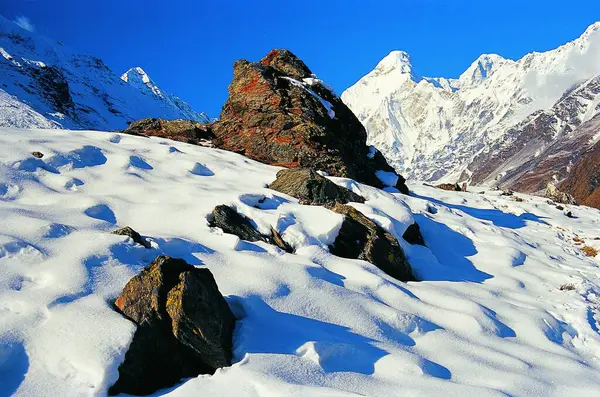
73	90
438	129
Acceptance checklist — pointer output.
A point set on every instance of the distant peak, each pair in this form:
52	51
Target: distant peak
483	67
595	27
136	73
395	61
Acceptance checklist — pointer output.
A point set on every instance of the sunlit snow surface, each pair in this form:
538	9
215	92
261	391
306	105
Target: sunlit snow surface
489	320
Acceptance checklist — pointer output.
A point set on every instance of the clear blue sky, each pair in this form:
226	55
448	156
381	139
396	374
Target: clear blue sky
188	47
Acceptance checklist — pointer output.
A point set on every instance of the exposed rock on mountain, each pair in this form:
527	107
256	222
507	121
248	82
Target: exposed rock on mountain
557	196
361	238
583	181
179	130
431	129
72	90
279	113
541	149
309	187
184	326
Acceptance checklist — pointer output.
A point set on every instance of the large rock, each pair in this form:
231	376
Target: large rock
361	238
309	187
557	196
179	130
184	326
278	113
232	222
413	235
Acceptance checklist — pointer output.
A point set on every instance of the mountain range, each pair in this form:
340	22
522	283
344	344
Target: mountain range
501	123
44	84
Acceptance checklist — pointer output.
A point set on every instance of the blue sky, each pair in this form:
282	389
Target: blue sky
188	47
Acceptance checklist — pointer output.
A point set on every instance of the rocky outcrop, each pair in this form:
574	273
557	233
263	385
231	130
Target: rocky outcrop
278	113
413	235
135	236
310	188
557	196
231	222
184	326
455	187
179	130
361	238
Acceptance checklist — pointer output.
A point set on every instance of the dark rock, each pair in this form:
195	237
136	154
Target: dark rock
277	240
135	236
569	214
274	116
37	155
450	186
401	185
179	130
361	238
507	193
413	235
231	222
560	207
464	187
309	187
184	326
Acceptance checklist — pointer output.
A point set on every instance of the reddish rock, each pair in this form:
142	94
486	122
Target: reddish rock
583	182
178	130
278	114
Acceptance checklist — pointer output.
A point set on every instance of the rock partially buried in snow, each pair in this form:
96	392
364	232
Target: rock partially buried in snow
454	187
184	324
135	236
413	235
309	187
361	238
231	222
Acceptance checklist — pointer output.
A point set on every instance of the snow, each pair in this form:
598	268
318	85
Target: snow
431	128
489	318
14	113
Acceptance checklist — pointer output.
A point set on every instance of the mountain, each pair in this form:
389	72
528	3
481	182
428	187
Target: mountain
438	129
76	91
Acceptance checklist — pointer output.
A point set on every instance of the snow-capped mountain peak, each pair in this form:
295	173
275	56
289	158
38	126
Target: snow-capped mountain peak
77	91
432	130
395	62
481	69
137	77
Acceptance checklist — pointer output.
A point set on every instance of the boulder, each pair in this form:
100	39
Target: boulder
135	236
278	113
361	238
184	326
37	155
231	222
450	186
557	196
179	130
310	188
413	235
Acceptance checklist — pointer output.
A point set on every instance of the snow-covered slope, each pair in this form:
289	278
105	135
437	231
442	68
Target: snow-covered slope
16	114
489	318
431	128
78	91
